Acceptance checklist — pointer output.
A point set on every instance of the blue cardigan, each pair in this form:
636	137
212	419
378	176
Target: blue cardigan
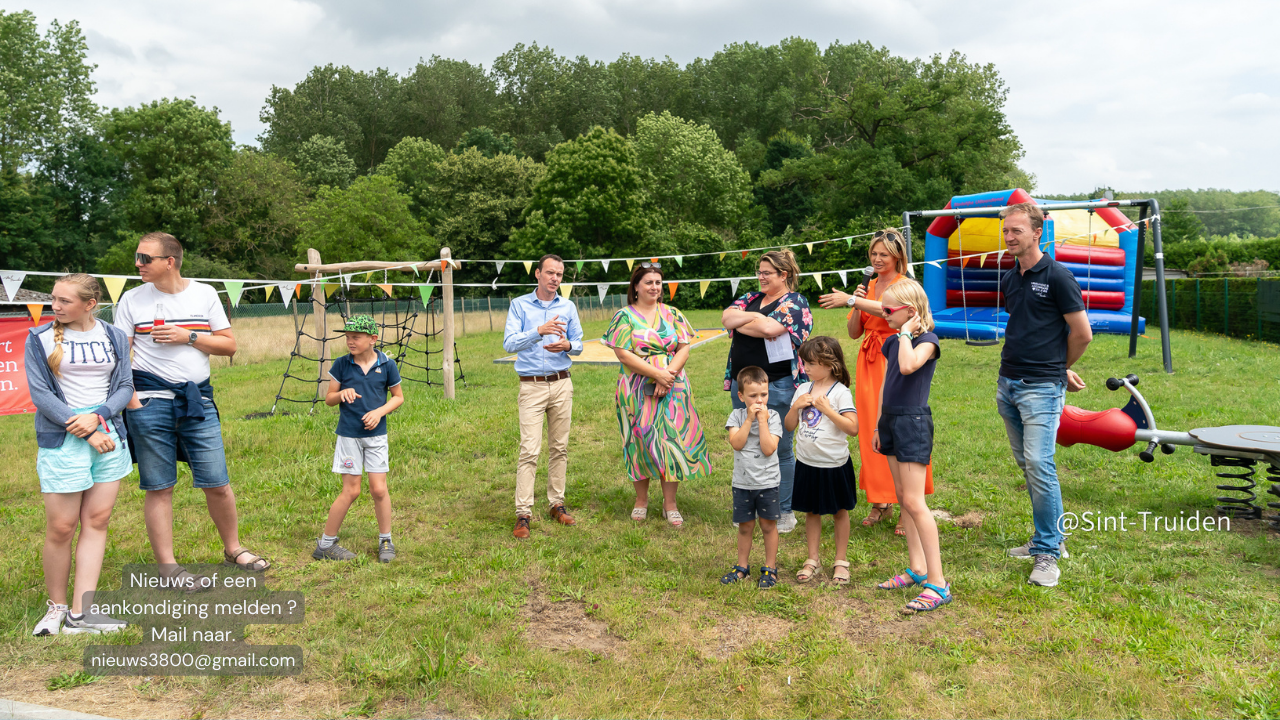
51	405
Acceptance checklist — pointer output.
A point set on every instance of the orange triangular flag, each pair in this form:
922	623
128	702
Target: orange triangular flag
35	309
297	290
744	254
387	289
672	287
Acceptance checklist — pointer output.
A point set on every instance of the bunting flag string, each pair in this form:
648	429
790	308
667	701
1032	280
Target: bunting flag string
630	264
603	289
286	292
268	288
733	286
425	292
528	266
817	277
844	280
386	288
679	260
605	263
329	288
809	247
501	263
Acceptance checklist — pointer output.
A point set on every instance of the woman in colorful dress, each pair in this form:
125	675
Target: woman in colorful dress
661	434
757	321
888	256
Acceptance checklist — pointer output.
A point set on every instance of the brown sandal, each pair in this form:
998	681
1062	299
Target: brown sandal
807	572
881	512
840	572
259	564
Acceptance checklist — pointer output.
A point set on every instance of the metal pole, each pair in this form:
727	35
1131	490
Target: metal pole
446	286
1137	285
1048	207
906	234
1162	306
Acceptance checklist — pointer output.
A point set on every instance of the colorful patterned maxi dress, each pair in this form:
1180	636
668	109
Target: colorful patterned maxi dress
662	436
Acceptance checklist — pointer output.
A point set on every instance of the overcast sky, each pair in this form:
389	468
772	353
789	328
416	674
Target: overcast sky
1137	96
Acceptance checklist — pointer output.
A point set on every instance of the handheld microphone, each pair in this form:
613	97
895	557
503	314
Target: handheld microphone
868	272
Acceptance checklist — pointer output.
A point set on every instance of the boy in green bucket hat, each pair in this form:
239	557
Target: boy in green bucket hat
361	382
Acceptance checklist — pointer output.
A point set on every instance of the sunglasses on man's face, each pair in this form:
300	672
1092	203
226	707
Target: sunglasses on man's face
145	259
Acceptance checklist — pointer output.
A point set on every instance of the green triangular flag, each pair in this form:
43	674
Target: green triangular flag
848	242
679	260
579	263
425	292
234	288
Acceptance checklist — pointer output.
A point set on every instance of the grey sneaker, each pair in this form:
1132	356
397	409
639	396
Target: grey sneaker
386	551
787	522
51	623
1024	550
91	624
1045	572
333	552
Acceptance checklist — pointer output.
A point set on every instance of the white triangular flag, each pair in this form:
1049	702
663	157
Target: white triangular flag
286	291
500	264
12	281
733	285
934	263
844	279
603	289
605	263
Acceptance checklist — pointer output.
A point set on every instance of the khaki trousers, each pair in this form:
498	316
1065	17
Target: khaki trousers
555	401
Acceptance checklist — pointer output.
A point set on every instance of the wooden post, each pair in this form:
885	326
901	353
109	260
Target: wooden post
446	275
321	322
490	300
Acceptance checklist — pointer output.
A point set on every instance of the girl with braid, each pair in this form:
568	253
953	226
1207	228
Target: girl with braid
80	380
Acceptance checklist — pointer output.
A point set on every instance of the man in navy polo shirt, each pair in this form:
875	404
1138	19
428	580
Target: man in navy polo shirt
543	330
1047	333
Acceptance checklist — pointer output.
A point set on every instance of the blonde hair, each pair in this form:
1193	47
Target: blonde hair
895	246
1034	214
86	289
910	292
784	261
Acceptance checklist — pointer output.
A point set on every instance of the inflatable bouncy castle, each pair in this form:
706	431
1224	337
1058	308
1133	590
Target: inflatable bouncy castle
964	264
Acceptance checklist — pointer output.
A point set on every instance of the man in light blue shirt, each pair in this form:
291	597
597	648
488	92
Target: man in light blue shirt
543	330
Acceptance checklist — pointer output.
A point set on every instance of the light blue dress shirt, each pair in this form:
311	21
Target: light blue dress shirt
521	336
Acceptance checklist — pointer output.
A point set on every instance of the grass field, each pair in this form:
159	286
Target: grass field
610	619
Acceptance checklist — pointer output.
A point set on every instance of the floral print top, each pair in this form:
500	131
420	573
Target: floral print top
794	315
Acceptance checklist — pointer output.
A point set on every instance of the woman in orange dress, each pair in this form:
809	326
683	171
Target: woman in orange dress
889	260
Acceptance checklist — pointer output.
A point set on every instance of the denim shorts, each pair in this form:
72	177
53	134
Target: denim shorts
156	437
75	466
906	433
750	504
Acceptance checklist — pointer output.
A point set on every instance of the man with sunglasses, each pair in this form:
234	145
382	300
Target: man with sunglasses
174	325
543	331
1047	332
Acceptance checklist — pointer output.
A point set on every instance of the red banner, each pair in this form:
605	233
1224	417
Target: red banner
14	396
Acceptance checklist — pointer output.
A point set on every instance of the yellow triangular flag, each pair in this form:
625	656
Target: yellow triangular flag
387	289
528	266
268	288
722	255
368	276
114	286
817	277
35	309
565	289
702	287
672	287
982	261
329	288
630	264
810	247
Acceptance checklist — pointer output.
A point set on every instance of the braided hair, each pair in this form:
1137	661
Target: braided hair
86	287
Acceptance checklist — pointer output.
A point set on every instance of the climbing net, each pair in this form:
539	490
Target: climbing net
406	329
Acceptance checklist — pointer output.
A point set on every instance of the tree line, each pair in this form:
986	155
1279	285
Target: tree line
757	144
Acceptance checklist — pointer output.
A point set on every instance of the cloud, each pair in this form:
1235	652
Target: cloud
1141	96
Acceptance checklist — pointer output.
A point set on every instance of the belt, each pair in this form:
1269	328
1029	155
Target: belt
562	375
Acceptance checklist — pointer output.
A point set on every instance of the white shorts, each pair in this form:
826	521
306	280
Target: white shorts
356	456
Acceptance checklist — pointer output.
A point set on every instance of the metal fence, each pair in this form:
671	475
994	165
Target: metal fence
1240	307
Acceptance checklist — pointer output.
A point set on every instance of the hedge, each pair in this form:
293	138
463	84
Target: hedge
1240	307
1181	255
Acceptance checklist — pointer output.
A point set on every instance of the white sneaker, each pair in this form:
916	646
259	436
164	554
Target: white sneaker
1024	551
52	622
787	522
91	624
1045	572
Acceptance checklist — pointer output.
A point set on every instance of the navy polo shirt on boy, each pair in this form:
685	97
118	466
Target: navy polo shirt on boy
1035	340
372	387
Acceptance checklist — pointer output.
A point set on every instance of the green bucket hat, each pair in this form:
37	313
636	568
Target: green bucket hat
362	324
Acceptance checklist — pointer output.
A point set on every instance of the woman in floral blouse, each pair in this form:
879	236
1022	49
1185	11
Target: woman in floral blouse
770	317
661	433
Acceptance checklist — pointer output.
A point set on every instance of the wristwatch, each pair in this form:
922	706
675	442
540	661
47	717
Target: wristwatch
192	339
906	336
852	299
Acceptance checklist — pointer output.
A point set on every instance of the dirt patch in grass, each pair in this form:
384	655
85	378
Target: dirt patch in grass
565	625
158	697
732	634
867	622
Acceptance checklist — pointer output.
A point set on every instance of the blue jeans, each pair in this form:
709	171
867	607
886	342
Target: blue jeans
780	394
1031	413
156	437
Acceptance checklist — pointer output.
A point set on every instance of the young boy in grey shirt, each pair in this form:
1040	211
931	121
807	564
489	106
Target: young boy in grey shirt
754	432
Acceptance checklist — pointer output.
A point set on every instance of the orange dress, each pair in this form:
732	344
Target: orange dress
873	475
